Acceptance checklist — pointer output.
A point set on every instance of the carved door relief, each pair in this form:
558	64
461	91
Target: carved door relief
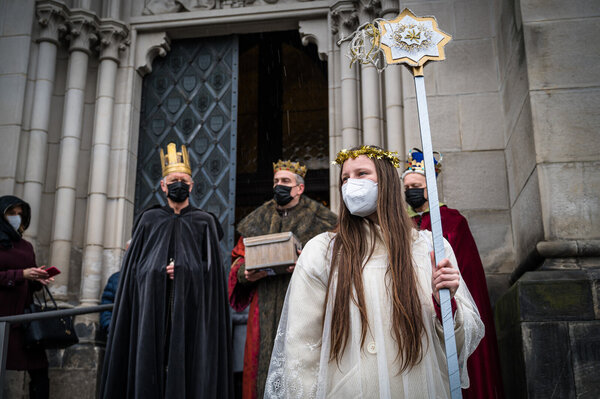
191	98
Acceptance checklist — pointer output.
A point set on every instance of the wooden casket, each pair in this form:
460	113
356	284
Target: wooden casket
272	252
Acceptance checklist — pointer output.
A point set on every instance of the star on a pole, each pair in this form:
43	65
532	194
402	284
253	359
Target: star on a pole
412	40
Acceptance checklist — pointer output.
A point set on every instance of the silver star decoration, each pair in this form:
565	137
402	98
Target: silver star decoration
413	40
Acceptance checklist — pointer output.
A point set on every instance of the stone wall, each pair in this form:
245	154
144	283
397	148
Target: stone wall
16	21
468	124
33	155
59	231
563	57
73	373
518	137
548	322
549	335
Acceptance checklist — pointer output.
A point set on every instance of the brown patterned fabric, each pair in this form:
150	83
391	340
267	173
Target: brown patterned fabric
305	220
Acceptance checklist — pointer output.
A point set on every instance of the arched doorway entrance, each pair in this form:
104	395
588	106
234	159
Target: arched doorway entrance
283	113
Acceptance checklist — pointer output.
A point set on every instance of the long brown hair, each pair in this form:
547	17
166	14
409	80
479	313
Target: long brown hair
350	251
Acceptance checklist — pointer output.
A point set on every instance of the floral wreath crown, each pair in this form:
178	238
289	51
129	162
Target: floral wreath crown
371	152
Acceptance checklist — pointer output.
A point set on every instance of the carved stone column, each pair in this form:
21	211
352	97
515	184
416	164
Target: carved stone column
83	29
113	40
347	18
113	9
393	93
51	17
145	47
371	94
335	139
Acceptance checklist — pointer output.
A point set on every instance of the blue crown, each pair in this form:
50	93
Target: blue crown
416	164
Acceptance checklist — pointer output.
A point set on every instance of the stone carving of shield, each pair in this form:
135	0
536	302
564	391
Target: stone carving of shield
189	82
200	189
173	104
176	63
203	102
218	81
215	166
161	85
201	145
158	125
216	122
156	172
204	61
187	125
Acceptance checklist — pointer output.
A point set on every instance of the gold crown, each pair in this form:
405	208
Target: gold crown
293	167
175	161
371	152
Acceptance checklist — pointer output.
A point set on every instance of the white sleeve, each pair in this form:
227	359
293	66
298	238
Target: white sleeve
294	367
468	327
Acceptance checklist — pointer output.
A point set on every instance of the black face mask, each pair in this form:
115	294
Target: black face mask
282	194
415	197
178	191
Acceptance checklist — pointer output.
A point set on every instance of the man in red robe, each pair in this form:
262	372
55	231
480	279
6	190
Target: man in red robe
484	364
289	210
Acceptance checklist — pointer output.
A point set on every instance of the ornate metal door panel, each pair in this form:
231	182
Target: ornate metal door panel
191	98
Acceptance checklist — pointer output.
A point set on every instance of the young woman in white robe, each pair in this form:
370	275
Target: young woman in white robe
345	314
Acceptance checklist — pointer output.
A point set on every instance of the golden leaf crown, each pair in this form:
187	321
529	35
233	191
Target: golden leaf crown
294	167
175	161
415	162
371	152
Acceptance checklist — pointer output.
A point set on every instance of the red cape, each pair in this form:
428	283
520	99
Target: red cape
240	296
484	364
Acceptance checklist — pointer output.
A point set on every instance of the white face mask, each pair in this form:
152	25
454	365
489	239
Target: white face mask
14	220
360	196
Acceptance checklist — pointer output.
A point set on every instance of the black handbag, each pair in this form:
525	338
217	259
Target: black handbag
54	333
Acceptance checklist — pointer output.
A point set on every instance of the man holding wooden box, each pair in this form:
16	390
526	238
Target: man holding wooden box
297	217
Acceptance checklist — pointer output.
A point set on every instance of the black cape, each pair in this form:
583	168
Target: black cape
198	345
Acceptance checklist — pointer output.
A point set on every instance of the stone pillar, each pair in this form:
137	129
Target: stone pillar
113	35
335	111
371	94
347	17
371	105
124	143
394	133
51	17
549	335
84	4
549	321
83	26
26	123
113	9
337	93
331	87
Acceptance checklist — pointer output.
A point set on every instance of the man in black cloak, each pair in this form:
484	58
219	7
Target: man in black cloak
170	331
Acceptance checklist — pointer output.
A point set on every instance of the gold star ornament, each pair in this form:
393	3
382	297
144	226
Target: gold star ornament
411	40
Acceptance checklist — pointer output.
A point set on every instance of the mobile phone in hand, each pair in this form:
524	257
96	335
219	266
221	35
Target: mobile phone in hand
52	271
